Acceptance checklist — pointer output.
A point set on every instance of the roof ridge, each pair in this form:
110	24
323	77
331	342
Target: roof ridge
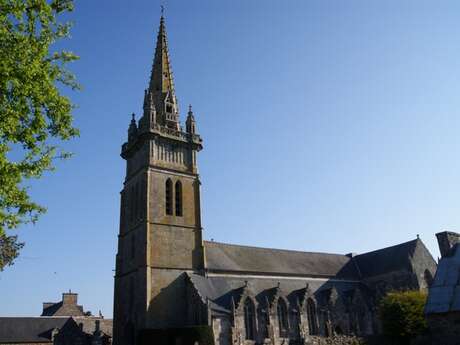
414	241
284	250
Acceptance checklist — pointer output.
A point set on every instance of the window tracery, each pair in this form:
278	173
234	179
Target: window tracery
311	316
249	319
282	318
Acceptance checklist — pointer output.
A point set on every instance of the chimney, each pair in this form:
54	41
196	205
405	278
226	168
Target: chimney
69	298
447	240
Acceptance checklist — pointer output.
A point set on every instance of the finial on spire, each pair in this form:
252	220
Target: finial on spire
162	10
132	129
190	122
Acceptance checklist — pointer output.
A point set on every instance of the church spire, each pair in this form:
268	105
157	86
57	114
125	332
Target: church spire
161	82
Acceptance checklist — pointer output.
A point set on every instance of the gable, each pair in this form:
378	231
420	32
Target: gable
222	291
386	260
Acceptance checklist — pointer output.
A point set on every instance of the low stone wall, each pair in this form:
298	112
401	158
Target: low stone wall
335	340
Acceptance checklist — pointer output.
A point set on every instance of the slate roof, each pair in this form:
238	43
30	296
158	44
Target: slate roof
444	293
219	290
236	258
29	329
390	259
38	329
61	309
231	267
89	324
222	257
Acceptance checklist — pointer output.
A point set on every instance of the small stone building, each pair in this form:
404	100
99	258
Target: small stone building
443	305
61	323
68	306
167	276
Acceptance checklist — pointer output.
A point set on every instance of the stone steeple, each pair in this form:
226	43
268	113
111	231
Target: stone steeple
160	233
161	119
161	87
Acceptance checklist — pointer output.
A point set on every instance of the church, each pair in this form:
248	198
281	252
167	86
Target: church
167	276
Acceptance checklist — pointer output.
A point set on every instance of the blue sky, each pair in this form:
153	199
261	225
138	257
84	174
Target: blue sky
328	126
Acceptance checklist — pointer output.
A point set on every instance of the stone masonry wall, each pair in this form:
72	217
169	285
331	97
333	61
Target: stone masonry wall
335	340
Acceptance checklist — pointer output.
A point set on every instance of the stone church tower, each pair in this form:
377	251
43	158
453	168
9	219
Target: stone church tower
160	228
168	277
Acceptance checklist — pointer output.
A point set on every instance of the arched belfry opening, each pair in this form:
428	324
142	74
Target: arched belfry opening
178	198
169	197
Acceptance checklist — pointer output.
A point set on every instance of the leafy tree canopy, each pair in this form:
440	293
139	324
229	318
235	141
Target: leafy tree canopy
34	115
401	313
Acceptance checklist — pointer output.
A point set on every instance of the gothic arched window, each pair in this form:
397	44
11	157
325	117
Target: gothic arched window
428	278
296	323
311	315
282	318
168	197
249	319
263	322
178	199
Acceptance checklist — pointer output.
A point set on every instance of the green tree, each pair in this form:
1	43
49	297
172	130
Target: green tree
34	115
401	313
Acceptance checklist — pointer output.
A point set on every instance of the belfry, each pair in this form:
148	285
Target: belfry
168	277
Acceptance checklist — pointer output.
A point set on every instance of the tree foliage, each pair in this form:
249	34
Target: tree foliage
401	313
34	115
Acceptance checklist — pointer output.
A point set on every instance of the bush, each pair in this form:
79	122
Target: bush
202	335
401	313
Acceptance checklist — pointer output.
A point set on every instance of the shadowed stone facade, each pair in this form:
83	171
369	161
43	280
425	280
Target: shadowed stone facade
443	306
167	276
